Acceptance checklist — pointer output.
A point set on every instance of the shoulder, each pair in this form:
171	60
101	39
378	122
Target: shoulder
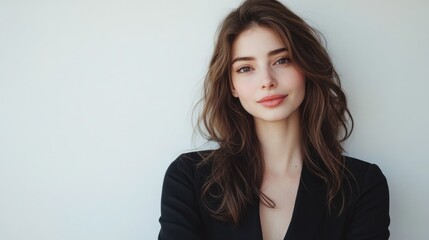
190	166
363	172
367	182
180	204
368	213
190	160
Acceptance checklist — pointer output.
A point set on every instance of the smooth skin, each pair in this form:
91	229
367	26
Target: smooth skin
261	68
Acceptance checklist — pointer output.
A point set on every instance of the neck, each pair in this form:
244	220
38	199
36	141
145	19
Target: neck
281	145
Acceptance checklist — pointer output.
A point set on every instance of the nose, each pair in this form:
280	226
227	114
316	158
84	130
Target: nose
268	79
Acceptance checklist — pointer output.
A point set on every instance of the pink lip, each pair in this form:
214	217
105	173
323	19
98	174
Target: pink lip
273	100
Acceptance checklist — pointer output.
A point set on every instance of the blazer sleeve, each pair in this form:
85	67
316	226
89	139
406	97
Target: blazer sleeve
180	218
370	219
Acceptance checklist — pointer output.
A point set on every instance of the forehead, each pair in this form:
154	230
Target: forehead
256	41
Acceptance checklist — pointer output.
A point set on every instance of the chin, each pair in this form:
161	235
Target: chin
275	117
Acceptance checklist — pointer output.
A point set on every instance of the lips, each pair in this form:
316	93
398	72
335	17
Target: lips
273	100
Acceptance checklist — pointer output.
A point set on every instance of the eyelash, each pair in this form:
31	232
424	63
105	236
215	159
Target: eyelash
240	70
247	68
286	59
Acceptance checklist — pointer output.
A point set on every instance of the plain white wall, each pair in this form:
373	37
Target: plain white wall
96	100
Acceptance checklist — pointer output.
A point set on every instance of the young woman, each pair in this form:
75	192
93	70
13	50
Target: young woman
273	103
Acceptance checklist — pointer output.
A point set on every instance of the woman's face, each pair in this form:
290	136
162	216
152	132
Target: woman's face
269	86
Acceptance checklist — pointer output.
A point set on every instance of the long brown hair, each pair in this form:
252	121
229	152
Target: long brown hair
236	165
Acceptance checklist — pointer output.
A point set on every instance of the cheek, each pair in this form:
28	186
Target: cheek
301	86
299	81
298	86
242	89
244	92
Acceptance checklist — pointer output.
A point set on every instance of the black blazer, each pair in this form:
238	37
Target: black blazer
366	216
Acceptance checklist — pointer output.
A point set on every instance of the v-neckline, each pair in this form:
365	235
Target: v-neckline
294	210
309	208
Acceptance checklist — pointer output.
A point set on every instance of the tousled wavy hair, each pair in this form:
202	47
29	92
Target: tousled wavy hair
236	165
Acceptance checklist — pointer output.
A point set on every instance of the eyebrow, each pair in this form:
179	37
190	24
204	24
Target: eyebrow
271	53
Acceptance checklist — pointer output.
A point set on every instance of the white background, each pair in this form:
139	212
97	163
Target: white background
96	100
